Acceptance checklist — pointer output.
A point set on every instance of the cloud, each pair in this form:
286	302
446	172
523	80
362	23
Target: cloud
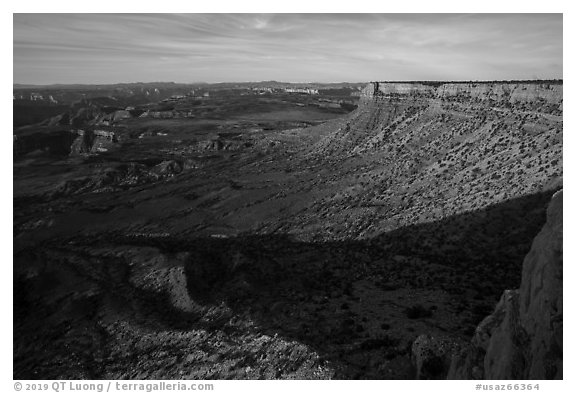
106	48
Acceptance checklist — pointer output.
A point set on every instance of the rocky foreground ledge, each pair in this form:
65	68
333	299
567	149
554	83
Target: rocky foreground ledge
522	338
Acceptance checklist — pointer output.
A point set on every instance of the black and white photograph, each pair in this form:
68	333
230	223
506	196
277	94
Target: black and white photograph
287	196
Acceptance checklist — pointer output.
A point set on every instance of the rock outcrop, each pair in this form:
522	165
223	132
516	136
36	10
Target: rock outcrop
522	338
93	141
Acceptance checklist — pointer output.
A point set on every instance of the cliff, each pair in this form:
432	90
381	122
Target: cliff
550	92
522	338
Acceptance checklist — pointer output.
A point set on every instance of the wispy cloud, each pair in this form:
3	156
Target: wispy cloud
101	48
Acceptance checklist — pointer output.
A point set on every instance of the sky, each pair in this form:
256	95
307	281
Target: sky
113	48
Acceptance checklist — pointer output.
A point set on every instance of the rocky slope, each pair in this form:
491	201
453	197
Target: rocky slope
522	338
415	153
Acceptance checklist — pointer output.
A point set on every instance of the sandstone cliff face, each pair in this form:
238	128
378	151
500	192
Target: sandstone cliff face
513	92
522	338
497	92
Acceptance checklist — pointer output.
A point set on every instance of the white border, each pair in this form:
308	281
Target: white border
356	6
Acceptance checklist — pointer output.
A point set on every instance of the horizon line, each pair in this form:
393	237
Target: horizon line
297	82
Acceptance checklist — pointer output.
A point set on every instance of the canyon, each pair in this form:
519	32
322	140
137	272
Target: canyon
274	235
